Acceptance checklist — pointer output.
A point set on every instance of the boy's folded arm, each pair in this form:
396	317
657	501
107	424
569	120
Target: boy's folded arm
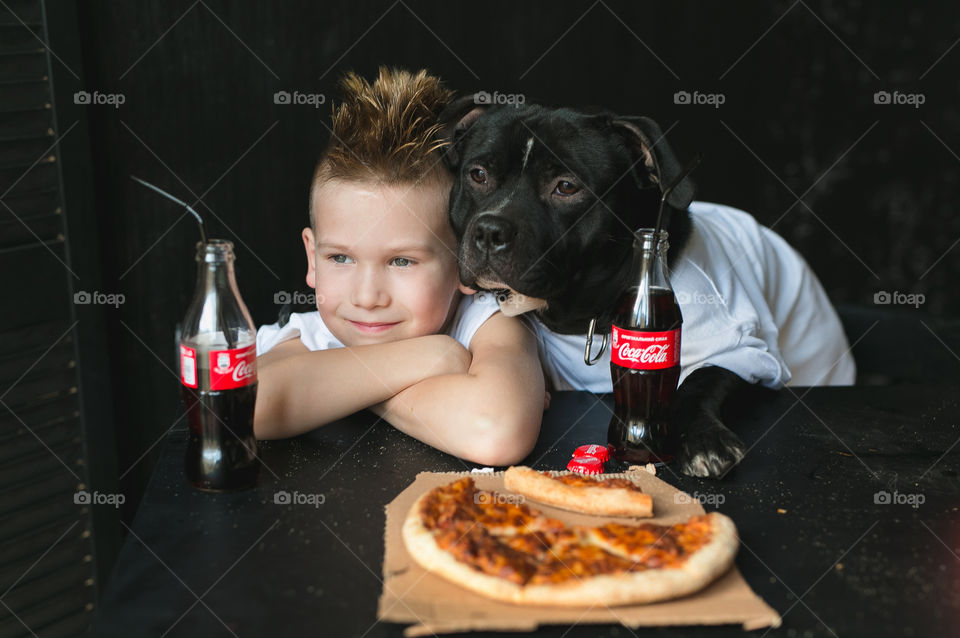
301	389
489	415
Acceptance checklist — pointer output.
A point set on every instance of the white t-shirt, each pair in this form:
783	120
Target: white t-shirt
750	304
471	313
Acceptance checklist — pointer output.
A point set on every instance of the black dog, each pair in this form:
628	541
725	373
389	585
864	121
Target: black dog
544	204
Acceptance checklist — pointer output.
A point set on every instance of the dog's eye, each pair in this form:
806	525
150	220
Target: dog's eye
566	188
478	175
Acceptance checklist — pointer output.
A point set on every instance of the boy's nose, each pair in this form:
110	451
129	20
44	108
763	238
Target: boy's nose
369	291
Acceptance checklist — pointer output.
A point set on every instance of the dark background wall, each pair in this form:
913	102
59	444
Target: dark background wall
865	191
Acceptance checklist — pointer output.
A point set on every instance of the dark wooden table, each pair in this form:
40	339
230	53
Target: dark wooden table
820	544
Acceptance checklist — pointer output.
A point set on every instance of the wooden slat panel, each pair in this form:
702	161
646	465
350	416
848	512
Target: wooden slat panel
23	444
30	203
15	12
36	121
33	336
21	75
32	362
18	234
41	538
74	624
17	39
61	556
39	416
19	180
40	463
57	488
26	307
31	391
24	152
44	357
62	596
51	510
41	431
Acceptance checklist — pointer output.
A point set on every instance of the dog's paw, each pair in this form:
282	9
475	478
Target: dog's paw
709	449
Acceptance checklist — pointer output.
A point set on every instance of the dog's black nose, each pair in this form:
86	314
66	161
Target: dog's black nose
493	233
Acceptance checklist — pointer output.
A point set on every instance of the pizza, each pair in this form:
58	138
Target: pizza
491	544
580	493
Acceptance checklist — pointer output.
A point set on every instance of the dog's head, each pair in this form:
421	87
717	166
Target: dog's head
545	201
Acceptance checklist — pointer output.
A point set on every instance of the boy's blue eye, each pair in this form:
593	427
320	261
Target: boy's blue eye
339	259
403	262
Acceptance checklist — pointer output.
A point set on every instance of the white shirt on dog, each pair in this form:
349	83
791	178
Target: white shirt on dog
314	334
750	304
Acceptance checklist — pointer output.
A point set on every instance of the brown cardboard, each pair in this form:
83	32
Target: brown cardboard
435	605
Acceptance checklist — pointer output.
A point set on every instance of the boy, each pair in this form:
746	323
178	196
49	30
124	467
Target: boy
392	332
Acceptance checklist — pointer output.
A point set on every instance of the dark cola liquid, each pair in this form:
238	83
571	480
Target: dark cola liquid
221	447
643	398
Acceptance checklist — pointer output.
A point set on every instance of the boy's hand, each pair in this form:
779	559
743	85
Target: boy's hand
498	401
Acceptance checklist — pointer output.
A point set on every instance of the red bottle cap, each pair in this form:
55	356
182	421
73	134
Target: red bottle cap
602	452
585	465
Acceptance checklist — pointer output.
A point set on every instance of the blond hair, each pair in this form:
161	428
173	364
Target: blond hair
385	132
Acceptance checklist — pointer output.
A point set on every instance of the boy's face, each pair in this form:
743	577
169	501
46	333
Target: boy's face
383	260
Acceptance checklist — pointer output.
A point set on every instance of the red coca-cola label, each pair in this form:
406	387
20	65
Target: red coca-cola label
645	350
188	366
233	368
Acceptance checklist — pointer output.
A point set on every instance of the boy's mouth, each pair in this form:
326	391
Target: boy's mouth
372	328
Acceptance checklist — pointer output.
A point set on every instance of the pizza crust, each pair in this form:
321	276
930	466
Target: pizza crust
700	569
423	547
588	500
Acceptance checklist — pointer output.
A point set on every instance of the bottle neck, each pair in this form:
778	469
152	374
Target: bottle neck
215	267
217	317
649	304
649	259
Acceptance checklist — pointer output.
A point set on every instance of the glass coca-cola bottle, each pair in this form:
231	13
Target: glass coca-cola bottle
218	376
645	355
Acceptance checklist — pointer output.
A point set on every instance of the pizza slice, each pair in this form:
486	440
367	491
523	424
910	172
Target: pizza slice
580	493
653	546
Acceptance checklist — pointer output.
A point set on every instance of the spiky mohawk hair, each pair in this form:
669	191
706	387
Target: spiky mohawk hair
386	131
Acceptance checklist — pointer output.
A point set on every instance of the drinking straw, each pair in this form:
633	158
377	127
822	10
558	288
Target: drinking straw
203	237
196	215
665	221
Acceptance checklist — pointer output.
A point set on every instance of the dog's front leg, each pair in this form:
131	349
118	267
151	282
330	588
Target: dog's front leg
705	446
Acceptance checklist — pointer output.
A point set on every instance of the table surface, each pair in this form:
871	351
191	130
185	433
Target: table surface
816	544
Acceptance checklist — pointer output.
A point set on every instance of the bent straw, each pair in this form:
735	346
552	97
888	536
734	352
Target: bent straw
221	323
196	215
669	189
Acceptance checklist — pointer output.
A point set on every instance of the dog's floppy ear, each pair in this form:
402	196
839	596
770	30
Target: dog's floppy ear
659	165
456	119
